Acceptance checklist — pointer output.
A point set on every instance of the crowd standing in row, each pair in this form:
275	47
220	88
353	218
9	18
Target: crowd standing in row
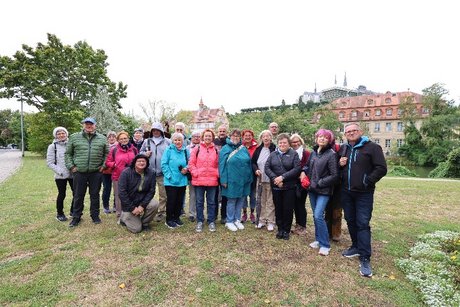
233	170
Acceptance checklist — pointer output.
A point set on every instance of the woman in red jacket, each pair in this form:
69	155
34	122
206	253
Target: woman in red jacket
203	165
251	145
118	159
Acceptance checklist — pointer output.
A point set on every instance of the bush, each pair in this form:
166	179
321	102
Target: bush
449	168
401	171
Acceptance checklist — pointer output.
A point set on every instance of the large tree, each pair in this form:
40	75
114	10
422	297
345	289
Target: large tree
56	78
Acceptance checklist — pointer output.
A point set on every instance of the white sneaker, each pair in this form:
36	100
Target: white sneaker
270	227
314	244
239	225
231	226
260	225
324	251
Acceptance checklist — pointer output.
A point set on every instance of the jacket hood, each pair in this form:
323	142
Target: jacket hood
55	131
138	156
230	143
363	140
157	126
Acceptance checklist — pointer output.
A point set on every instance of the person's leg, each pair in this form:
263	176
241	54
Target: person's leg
238	207
161	194
364	207
288	209
231	208
192	202
318	216
117	197
149	212
278	202
80	185
94	183
179	203
171	196
252	203
269	205
133	222
61	185
349	210
223	207
106	190
199	195
70	181
211	205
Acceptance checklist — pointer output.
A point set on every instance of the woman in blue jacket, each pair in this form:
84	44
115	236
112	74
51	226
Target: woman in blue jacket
235	174
174	167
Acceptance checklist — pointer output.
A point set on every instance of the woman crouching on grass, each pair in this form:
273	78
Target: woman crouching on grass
283	169
323	173
174	167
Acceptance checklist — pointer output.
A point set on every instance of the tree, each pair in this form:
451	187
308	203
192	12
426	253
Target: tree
57	78
105	113
158	110
10	129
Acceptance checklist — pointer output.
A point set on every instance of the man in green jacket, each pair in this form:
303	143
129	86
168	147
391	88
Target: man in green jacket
84	157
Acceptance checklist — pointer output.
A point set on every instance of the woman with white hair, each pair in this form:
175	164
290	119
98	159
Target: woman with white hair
62	176
174	166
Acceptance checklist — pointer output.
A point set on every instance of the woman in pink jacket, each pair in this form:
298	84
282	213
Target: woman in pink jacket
203	166
118	159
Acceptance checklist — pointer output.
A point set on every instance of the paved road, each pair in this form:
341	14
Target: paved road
10	161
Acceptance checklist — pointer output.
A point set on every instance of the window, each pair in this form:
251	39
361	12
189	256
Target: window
425	110
370	101
389	112
378	112
399	142
354	113
400	127
388	100
367	113
387	143
377	127
342	115
400	112
377	141
388	127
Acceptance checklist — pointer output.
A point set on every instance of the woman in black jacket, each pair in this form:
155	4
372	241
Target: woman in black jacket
323	172
283	169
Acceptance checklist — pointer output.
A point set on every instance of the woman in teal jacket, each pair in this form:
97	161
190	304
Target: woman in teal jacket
235	173
174	167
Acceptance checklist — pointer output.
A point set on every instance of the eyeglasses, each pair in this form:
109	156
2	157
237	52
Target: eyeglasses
195	136
295	142
273	126
178	129
351	131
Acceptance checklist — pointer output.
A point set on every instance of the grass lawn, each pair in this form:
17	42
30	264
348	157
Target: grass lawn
43	262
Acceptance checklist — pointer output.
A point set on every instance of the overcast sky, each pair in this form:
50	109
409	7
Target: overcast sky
244	53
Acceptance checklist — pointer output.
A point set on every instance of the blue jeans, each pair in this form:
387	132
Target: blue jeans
234	206
210	200
357	208
107	184
252	199
318	205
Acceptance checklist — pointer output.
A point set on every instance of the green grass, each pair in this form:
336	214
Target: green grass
43	262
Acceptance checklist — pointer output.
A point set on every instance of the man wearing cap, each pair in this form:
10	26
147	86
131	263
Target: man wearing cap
84	157
153	147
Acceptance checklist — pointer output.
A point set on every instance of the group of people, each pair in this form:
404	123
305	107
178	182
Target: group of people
272	176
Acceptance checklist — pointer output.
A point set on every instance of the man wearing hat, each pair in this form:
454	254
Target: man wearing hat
84	157
153	147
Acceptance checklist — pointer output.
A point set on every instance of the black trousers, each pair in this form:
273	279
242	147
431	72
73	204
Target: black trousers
61	185
284	201
174	200
223	205
81	181
299	209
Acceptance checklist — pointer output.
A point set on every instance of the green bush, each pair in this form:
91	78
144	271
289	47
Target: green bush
401	171
449	168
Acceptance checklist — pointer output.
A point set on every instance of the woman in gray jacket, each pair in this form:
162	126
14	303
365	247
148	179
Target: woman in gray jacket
62	176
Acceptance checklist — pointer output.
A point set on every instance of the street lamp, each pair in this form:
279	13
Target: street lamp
22	126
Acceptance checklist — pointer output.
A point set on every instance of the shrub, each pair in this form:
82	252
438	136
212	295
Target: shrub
401	171
449	168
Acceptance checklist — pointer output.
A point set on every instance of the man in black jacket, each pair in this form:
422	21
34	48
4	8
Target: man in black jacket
136	190
362	164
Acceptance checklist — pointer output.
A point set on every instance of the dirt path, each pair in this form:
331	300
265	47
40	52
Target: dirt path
10	162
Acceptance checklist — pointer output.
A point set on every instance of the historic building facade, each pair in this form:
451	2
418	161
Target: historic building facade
205	117
380	115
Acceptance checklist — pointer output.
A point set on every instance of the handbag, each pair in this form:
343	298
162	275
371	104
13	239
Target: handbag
188	174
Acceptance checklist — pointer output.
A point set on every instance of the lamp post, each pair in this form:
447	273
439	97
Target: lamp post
22	126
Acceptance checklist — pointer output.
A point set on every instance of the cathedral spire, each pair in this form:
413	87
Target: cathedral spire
335	80
345	80
315	87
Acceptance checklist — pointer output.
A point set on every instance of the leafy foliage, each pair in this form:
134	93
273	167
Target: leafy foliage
104	113
449	168
401	171
10	127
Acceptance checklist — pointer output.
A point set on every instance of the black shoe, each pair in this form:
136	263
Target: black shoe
61	218
179	222
285	235
96	220
74	222
171	224
223	221
146	228
191	219
279	234
351	252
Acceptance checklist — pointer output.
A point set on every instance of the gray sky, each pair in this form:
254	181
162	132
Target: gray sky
248	53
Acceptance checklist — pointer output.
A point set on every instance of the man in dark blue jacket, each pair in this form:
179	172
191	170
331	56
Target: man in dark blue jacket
362	164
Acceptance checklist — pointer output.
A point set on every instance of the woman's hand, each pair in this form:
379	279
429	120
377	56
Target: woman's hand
258	173
278	180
